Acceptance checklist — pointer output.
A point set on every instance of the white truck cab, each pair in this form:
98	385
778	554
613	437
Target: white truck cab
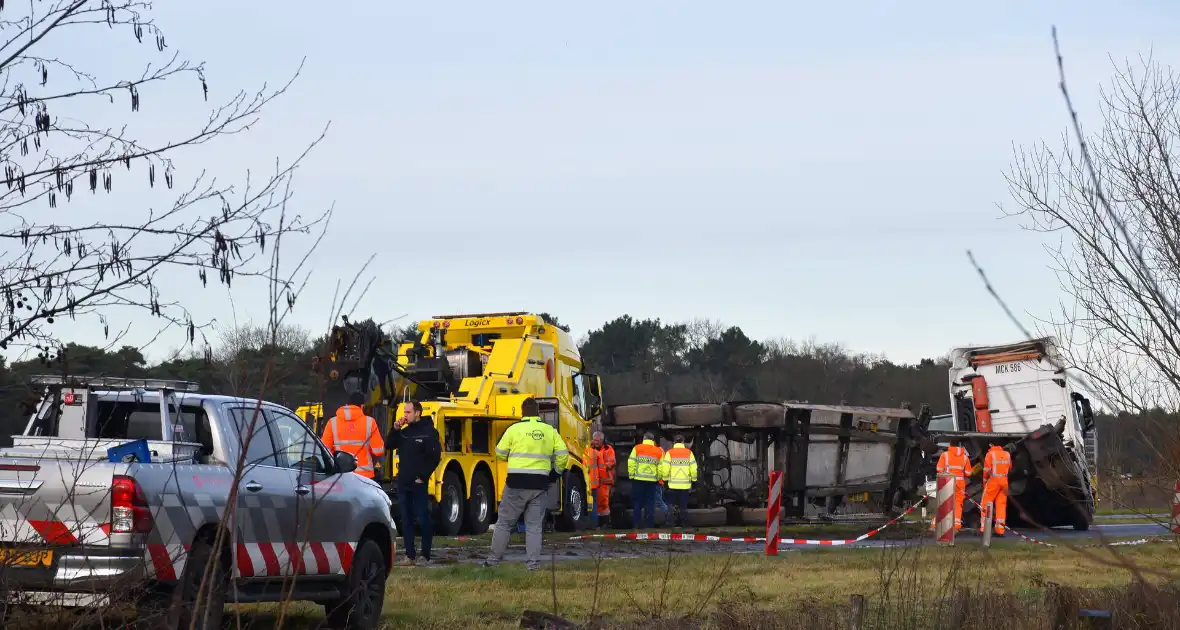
1013	392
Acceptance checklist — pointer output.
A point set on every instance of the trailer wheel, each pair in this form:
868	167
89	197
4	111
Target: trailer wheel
479	506
450	509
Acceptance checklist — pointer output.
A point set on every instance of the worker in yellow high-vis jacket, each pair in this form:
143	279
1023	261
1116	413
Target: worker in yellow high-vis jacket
678	469
534	450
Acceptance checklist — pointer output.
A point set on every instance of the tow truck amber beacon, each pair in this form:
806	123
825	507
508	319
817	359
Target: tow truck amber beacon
471	372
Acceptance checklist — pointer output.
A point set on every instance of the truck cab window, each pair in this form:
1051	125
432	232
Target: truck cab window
579	396
254	436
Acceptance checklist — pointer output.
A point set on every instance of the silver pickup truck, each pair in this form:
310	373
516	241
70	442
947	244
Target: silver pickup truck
128	496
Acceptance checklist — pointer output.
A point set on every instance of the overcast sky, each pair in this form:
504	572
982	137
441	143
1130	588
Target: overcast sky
798	169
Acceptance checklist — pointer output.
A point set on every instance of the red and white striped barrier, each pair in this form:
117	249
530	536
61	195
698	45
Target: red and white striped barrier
772	510
782	541
944	510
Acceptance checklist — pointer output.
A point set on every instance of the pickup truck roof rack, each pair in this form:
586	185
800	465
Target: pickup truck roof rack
69	405
110	382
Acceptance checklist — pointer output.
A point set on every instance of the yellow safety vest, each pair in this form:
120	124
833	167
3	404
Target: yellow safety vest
679	467
643	464
532	448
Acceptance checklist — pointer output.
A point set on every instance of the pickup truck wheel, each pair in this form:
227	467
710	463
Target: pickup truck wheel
450	510
364	591
479	506
208	610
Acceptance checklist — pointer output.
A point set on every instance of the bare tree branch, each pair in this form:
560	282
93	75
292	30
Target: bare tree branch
52	268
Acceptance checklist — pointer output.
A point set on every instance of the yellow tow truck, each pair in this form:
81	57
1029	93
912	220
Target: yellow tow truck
471	373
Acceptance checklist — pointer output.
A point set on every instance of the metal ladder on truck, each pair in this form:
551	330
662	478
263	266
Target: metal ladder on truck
69	406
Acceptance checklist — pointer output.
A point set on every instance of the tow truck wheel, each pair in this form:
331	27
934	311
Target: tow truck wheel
450	509
479	506
364	591
573	509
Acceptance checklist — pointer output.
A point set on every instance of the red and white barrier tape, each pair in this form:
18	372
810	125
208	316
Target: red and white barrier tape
1018	534
751	539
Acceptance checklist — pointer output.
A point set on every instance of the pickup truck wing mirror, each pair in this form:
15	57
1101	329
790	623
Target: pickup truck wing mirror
345	462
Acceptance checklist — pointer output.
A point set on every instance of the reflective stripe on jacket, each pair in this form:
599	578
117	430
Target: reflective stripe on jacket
997	463
532	449
351	431
644	462
955	461
601	465
678	467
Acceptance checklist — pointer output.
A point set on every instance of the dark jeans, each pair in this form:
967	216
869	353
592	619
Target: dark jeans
643	502
678	501
414	500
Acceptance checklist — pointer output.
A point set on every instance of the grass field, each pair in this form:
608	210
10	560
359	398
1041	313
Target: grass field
732	590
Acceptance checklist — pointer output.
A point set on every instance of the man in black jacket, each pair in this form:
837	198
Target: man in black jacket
419	453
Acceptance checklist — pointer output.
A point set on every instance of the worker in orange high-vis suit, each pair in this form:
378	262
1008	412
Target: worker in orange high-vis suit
351	431
955	461
600	460
996	466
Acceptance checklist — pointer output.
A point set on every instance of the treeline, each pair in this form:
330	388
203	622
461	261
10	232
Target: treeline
703	360
639	360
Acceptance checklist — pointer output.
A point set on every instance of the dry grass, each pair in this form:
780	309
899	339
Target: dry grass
903	588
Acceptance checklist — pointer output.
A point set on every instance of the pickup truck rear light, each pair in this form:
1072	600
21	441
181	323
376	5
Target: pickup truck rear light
129	507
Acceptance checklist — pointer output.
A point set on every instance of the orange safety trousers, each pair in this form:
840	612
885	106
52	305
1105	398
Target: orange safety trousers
996	466
602	500
995	491
601	465
955	461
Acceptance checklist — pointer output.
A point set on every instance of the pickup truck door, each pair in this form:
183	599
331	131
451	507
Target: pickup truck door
322	496
264	526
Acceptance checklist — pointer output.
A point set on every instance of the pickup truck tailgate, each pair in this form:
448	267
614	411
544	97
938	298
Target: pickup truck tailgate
55	501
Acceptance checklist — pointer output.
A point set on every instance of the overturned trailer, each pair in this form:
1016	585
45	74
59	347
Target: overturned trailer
837	460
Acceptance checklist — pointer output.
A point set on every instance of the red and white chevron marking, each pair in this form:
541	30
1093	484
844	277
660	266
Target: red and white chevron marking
783	541
288	559
54	531
166	562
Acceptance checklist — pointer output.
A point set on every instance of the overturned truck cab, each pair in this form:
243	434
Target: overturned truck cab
1018	395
